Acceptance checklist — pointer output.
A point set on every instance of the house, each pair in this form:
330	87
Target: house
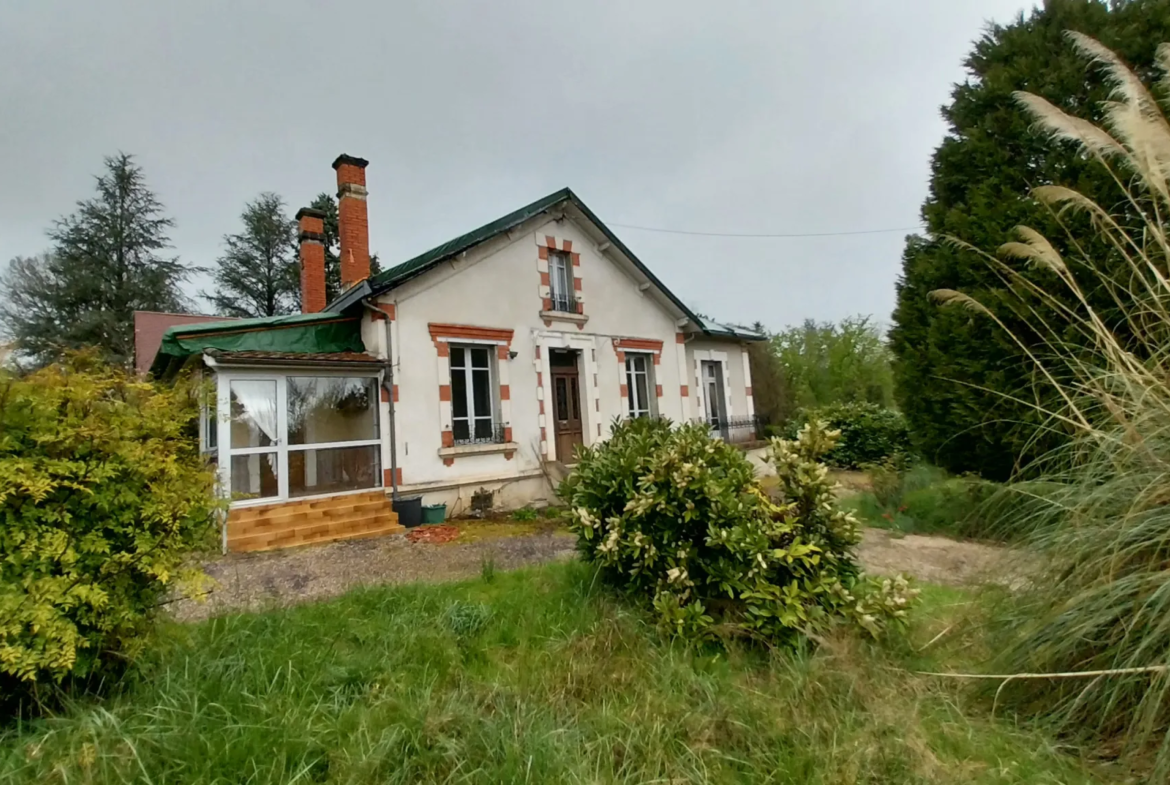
475	368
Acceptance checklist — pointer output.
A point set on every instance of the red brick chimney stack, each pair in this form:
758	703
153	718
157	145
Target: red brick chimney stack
312	237
353	220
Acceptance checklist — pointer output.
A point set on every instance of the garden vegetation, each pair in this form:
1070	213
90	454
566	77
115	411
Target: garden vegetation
1096	622
103	496
678	519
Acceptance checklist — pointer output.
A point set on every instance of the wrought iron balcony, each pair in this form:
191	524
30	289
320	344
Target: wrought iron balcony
564	303
483	432
735	429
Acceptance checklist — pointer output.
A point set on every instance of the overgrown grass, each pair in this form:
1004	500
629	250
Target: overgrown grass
1095	624
536	676
926	500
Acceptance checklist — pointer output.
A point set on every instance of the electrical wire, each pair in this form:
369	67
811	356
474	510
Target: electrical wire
748	234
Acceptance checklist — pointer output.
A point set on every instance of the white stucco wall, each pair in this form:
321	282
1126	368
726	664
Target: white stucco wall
498	285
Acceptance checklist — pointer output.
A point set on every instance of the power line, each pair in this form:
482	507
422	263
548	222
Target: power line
748	234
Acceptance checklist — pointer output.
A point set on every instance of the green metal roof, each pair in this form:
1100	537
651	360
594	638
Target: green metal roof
400	274
713	328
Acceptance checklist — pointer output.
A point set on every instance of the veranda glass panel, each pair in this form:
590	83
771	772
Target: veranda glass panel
334	470
254	476
323	409
253	405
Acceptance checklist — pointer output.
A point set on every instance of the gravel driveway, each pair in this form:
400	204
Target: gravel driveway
266	580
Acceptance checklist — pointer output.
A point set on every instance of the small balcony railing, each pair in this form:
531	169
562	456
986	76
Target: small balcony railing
482	433
735	430
564	303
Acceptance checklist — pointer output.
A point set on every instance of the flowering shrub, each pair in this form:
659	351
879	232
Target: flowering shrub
678	518
103	494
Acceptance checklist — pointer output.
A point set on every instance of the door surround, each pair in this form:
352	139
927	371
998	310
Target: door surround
701	398
543	341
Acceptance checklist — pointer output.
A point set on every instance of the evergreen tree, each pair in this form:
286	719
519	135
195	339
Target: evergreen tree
769	388
956	373
328	205
106	262
258	274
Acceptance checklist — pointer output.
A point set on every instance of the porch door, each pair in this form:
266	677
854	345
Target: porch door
257	461
714	398
566	412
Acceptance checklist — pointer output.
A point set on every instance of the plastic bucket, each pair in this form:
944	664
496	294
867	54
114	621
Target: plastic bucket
434	513
409	509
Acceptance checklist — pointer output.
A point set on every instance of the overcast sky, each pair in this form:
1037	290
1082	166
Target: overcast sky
746	117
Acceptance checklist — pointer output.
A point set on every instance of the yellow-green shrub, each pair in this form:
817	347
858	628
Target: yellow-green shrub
103	494
679	520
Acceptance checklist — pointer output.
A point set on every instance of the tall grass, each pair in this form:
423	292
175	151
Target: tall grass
1101	512
538	676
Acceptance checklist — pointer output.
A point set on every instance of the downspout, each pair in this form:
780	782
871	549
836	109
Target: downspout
388	386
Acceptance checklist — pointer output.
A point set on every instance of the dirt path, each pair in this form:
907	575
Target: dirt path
259	581
930	559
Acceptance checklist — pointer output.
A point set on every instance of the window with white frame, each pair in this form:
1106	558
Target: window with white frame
560	275
473	395
209	425
640	384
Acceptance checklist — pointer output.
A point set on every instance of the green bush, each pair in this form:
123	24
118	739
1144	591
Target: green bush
924	499
869	433
103	495
678	519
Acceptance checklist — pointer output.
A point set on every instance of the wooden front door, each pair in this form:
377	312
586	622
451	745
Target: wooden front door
566	400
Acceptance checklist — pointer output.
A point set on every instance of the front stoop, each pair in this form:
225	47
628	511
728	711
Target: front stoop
309	521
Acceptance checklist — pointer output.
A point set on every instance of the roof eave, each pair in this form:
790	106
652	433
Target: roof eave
351	297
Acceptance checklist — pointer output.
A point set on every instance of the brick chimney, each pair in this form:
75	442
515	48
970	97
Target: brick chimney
353	221
312	237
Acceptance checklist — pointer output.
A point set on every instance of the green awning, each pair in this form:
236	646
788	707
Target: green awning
302	333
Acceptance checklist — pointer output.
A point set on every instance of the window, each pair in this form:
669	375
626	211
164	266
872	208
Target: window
332	426
560	275
209	426
328	409
639	384
295	436
255	461
473	396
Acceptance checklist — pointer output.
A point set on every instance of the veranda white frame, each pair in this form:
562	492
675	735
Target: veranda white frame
224	378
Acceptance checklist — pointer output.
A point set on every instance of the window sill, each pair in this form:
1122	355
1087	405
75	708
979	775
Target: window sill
564	316
462	451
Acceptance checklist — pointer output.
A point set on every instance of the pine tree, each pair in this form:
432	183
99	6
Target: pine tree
328	205
957	374
258	274
106	262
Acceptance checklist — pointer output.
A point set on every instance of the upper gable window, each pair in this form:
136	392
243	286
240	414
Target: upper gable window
560	273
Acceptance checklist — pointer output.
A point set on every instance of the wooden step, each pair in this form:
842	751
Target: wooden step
265	510
265	543
292	519
300	522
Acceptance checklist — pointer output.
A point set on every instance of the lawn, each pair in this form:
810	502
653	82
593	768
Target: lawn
532	676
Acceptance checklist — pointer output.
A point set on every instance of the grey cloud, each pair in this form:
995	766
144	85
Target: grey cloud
736	116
